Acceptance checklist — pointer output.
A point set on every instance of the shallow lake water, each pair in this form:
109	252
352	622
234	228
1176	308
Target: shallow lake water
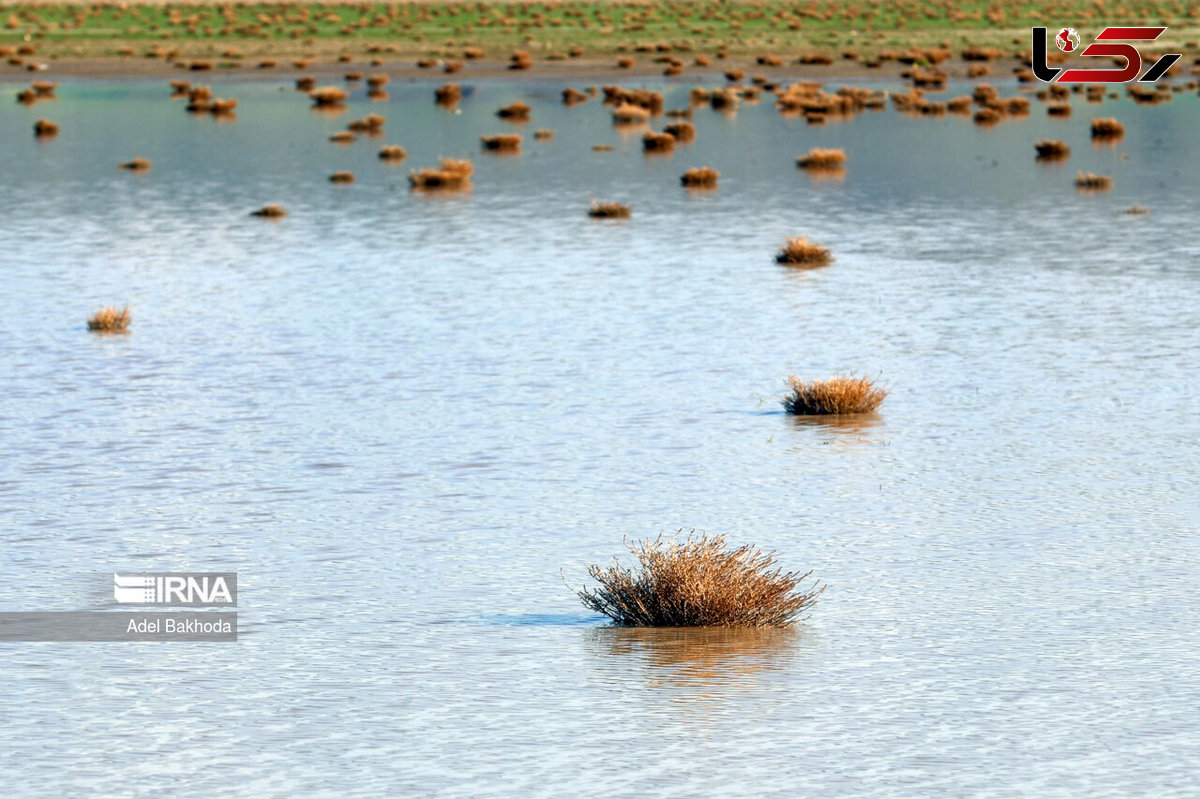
407	420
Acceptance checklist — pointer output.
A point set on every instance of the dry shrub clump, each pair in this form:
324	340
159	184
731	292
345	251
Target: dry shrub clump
341	177
817	158
448	94
799	251
502	142
393	153
110	320
1051	150
838	395
329	96
272	211
1092	181
1107	128
543	134
699	582
517	112
610	210
701	177
451	173
658	142
683	132
45	129
136	165
627	113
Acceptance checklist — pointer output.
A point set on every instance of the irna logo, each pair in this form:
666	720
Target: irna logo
1067	40
176	588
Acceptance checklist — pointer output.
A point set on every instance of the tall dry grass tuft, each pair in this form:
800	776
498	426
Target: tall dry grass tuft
610	210
110	320
799	251
838	395
700	177
817	158
699	581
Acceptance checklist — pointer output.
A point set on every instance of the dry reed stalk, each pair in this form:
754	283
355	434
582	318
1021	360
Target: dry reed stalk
110	320
838	395
699	581
799	251
817	158
600	210
701	177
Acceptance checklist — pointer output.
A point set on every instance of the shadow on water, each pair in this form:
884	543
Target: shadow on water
858	424
698	657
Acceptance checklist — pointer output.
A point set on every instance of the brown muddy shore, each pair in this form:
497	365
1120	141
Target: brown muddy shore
580	70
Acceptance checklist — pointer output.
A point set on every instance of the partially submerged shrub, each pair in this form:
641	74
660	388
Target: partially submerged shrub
658	142
610	211
543	134
272	211
699	582
838	395
1107	128
817	158
1092	181
341	177
799	251
628	112
136	165
329	96
393	153
701	177
683	132
110	320
45	129
1051	150
502	142
517	112
452	173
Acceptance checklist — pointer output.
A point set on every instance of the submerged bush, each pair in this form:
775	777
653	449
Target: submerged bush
839	394
699	582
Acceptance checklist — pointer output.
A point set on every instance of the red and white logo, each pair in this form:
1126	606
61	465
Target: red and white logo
1068	41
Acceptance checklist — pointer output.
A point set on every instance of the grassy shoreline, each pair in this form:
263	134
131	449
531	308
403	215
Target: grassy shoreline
554	31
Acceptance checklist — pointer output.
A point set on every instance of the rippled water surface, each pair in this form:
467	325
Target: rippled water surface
404	420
